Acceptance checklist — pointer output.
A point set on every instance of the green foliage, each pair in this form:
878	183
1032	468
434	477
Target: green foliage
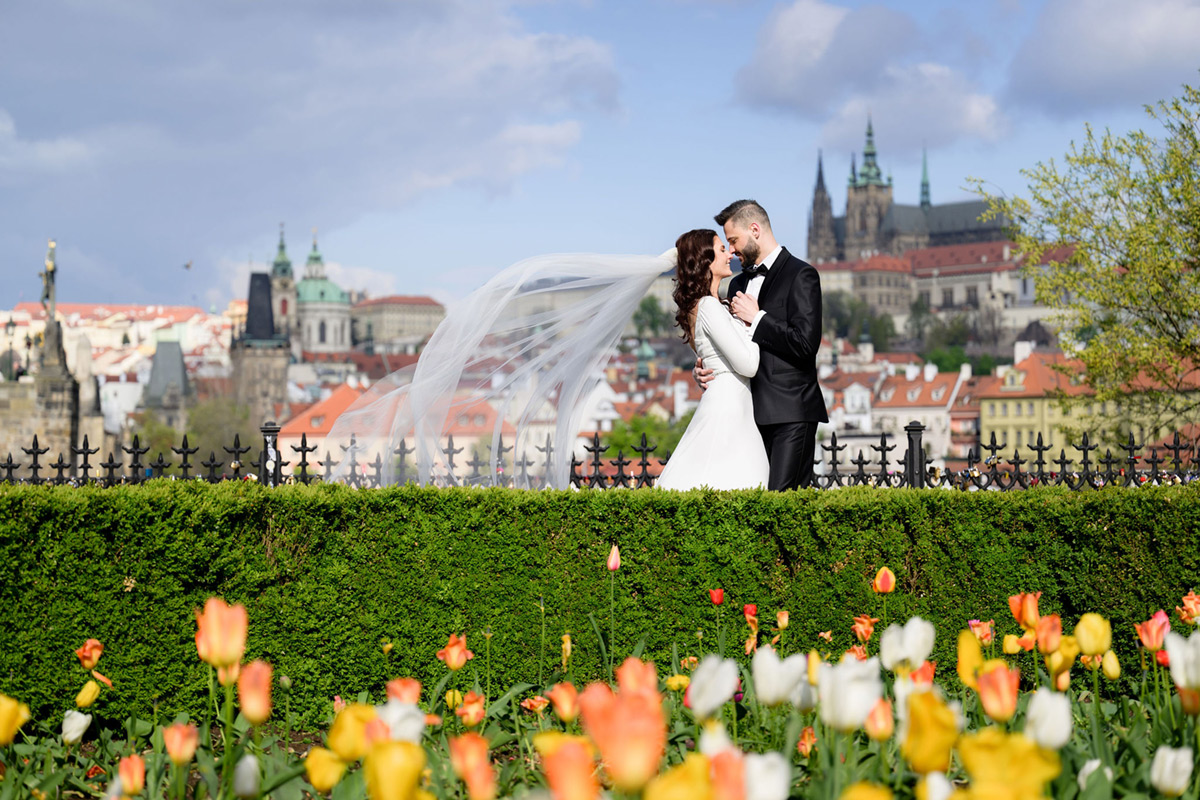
329	573
1112	239
626	435
848	317
650	319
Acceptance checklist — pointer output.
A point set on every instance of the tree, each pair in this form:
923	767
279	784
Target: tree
650	319
1112	239
625	435
919	319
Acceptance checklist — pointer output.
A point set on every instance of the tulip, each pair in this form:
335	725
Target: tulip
727	774
807	742
1003	765
931	732
537	704
1048	720
1185	659
803	696
405	722
686	780
970	658
775	680
387	647
614	559
863	627
254	692
1011	645
453	699
923	675
1189	700
393	770
1024	609
814	667
221	634
635	675
1094	634
469	757
347	736
865	790
1171	770
1162	657
904	648
1085	772
781	620
885	581
1049	632
750	612
1189	612
566	650
570	772
181	741
630	731
848	692
717	596
984	632
998	690
713	684
934	786
87	695
227	676
89	653
1110	666
74	725
338	704
406	690
856	651
132	772
826	635
324	769
13	714
455	653
768	776
880	723
565	698
246	776
472	710
678	683
1152	631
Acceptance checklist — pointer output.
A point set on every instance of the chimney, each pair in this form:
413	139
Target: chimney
1022	351
965	370
930	371
911	371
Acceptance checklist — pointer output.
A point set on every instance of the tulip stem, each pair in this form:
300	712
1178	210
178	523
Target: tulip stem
1100	750
227	735
542	652
612	624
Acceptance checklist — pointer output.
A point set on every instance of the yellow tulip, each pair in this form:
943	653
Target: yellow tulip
932	731
1011	644
970	658
393	770
324	769
677	683
866	791
1003	765
348	734
814	667
686	781
13	715
1094	634
1110	665
87	695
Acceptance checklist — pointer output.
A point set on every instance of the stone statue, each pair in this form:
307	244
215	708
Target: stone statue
48	278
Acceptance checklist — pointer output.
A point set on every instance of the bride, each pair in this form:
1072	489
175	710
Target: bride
721	448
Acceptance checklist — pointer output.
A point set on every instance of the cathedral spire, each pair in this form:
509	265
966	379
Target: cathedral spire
820	173
853	171
925	201
870	173
282	268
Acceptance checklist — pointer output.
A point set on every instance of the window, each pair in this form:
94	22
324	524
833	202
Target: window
1019	438
972	296
321	332
1017	409
925	298
1004	409
318	421
479	420
992	409
947	297
1031	437
283	307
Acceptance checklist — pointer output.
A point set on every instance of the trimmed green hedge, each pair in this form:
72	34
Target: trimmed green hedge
329	573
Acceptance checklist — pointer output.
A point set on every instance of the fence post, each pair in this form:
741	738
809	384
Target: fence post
914	459
270	471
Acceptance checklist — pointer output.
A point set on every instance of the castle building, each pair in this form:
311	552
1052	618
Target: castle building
874	223
260	356
323	309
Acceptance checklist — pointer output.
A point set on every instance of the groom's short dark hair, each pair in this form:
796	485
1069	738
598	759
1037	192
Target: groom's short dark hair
744	211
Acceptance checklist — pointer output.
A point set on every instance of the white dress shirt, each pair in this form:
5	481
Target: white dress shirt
756	283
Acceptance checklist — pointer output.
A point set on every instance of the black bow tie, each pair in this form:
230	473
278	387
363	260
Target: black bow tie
754	272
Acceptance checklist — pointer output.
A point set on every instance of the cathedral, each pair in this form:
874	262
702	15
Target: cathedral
874	223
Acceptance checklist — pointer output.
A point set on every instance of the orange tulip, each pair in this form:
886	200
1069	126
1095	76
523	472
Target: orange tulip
635	675
781	620
571	772
89	653
998	690
863	627
227	676
132	770
1190	700
614	559
727	774
469	757
880	723
858	651
1024	609
630	731
221	634
1189	612
406	690
254	692
566	650
181	741
1154	630
808	741
885	581
984	631
750	612
537	704
565	698
923	675
826	635
433	720
1049	633
472	709
455	653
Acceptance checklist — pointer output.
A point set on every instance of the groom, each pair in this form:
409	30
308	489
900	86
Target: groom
779	297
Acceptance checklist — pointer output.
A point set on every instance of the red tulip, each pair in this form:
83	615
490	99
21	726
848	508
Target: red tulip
1154	630
1024	609
717	596
885	581
89	653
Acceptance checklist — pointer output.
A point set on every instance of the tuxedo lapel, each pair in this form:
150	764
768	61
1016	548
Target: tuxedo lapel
773	275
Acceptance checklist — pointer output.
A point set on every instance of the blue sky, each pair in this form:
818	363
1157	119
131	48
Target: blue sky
434	142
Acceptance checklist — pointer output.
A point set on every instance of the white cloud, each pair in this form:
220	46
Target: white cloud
32	157
1089	54
375	282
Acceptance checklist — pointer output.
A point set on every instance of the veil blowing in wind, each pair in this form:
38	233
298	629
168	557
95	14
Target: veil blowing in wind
531	344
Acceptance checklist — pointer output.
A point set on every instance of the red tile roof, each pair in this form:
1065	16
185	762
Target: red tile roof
961	255
897	391
1037	377
477	418
102	311
882	263
318	419
399	300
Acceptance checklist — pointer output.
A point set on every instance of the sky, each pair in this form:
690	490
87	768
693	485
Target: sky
431	143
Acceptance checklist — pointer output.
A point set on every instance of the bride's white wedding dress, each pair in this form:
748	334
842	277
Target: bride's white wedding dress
721	448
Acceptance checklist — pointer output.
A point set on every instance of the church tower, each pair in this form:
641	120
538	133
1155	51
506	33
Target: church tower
926	203
868	199
283	290
260	356
822	239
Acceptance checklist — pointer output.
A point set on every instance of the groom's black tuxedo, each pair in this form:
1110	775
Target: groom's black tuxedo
788	402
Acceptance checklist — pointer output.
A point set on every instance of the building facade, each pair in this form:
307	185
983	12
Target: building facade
323	309
397	323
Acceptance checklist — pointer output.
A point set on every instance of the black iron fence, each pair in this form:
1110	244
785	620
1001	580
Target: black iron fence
1133	465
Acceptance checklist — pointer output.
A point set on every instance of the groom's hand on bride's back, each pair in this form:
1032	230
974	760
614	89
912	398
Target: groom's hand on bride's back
701	375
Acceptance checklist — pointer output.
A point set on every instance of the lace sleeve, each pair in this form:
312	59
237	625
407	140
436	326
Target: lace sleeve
729	336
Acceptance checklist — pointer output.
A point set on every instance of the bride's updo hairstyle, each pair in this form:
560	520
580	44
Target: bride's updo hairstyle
693	276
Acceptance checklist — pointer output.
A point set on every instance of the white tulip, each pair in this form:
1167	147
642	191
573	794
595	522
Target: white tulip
1185	660
1171	770
1048	721
804	696
714	740
713	684
767	776
937	786
114	789
406	722
910	644
74	725
1086	771
775	680
848	692
246	776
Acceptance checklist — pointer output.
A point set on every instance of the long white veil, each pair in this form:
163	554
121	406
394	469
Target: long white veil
518	358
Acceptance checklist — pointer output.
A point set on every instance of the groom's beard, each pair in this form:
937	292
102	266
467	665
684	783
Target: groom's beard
749	255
